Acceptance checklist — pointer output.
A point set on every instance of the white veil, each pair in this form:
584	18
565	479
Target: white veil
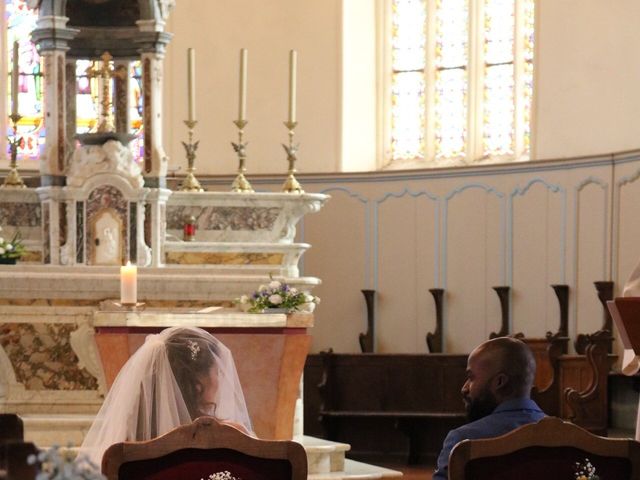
161	387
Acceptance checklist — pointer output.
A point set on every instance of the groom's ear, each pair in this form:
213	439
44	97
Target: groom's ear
199	388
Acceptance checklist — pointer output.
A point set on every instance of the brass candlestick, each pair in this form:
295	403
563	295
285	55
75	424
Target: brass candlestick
240	183
13	179
291	185
190	182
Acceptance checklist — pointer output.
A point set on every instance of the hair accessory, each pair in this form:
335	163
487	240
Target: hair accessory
194	347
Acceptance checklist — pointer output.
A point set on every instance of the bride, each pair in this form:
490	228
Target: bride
176	376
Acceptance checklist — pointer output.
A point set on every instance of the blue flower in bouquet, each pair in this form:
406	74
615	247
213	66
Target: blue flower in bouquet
277	295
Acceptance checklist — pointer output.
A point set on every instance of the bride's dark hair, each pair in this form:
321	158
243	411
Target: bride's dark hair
191	358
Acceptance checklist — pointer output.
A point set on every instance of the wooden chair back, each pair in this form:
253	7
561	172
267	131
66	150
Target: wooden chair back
548	449
205	449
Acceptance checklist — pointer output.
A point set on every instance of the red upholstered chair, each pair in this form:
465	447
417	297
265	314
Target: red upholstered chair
545	450
204	448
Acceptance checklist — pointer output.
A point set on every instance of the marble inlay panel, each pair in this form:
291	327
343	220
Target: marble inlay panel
62	208
47	302
223	218
20	214
133	221
80	232
46	246
31	256
232	258
42	358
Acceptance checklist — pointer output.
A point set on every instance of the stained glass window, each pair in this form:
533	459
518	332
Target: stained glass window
407	91
462	80
20	21
135	109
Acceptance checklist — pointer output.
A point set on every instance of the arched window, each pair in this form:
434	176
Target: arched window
20	21
461	81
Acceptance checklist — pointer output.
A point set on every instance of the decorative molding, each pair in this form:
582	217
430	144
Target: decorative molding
367	228
445	216
401	194
590	180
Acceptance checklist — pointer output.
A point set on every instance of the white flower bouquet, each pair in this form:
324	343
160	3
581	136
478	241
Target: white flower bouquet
585	471
11	249
277	295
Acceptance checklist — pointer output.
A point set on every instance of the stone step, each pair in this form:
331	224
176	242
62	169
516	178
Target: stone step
323	456
357	471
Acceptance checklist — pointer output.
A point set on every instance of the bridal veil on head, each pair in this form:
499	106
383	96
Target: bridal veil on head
176	376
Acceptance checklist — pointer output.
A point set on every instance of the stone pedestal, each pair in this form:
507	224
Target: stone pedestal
269	351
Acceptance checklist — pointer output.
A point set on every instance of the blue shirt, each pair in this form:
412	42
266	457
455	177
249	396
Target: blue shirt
507	416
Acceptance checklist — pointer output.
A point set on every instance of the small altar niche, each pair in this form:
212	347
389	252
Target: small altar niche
104	207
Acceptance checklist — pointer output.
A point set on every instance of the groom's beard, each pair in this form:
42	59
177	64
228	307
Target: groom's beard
481	406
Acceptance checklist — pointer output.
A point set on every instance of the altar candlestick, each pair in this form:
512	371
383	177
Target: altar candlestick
242	106
128	284
191	83
15	75
293	61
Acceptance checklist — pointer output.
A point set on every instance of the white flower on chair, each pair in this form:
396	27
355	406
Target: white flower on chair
224	475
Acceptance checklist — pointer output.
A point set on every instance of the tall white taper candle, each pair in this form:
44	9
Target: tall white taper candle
293	63
128	284
15	82
242	105
191	83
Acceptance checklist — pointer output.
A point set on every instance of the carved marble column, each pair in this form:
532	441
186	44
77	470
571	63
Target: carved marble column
122	100
153	41
52	37
51	198
156	223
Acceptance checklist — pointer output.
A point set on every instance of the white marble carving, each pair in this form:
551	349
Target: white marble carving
84	345
112	157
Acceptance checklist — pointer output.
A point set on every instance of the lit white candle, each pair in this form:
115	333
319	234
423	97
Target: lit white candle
191	83
128	284
15	75
293	62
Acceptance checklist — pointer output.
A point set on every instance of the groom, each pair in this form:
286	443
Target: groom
500	374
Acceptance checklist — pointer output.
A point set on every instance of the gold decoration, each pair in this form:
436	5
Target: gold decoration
190	182
106	72
13	179
291	184
240	183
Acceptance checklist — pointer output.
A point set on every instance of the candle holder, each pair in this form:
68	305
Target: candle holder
130	307
190	182
13	179
291	185
240	183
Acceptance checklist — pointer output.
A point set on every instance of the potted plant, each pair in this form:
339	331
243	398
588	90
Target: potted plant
11	250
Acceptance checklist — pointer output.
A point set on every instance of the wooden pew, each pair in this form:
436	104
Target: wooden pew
385	405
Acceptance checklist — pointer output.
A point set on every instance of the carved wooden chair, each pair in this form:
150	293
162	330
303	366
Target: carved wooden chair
205	449
547	449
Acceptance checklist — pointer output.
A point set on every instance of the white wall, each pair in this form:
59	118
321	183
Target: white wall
218	30
587	99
